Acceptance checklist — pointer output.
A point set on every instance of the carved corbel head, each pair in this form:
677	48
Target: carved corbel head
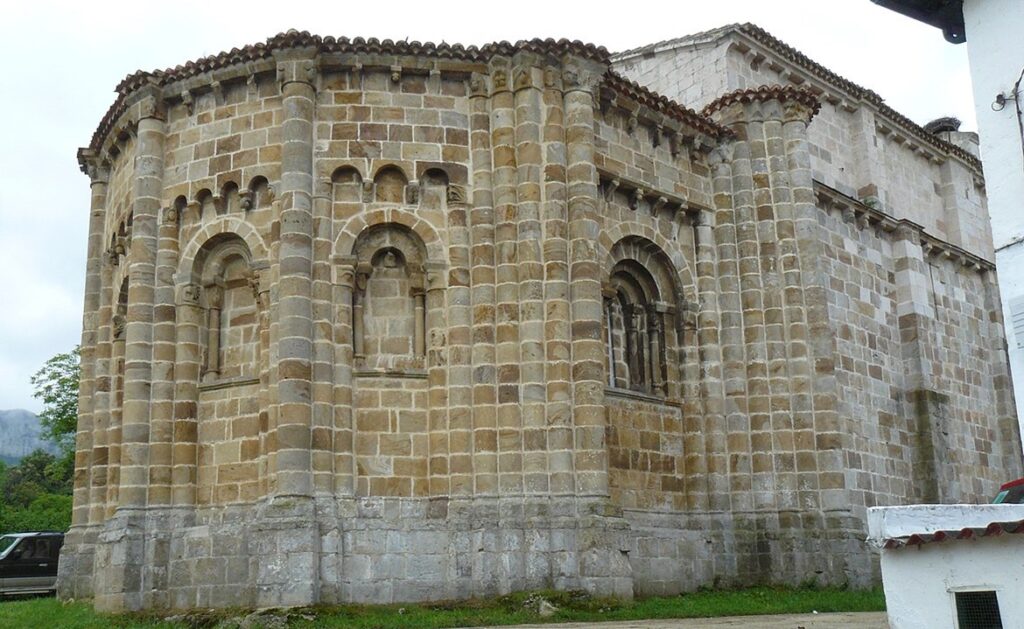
477	85
636	198
186	99
609	189
396	74
245	199
218	92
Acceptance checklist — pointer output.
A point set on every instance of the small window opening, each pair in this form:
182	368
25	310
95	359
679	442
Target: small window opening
978	610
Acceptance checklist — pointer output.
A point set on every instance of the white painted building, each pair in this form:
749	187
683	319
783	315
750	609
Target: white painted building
994	48
993	30
946	565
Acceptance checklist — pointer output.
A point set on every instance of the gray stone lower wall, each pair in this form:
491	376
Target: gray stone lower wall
672	552
299	551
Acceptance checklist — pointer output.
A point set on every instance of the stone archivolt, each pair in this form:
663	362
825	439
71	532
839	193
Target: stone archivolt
387	321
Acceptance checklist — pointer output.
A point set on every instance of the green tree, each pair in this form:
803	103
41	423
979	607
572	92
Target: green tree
56	384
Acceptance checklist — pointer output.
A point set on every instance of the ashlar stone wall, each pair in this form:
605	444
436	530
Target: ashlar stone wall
375	322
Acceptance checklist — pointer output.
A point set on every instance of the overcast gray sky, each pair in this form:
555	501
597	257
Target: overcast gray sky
64	59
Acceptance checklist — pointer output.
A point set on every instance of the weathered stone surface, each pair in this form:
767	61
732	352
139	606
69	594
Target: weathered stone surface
368	331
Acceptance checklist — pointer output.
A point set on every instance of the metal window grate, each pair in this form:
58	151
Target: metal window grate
978	610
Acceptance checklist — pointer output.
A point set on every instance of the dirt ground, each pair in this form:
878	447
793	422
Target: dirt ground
872	620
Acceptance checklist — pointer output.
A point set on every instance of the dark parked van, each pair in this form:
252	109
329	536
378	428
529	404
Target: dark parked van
28	562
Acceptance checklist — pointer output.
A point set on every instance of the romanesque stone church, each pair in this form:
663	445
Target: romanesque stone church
389	321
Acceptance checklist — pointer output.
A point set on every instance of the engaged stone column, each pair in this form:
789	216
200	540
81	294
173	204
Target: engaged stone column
509	410
99	176
102	392
187	366
344	459
526	82
580	83
149	168
482	291
214	303
295	327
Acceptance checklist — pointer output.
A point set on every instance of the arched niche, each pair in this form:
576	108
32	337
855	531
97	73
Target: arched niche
231	202
230	342
389	185
388	301
207	205
347	185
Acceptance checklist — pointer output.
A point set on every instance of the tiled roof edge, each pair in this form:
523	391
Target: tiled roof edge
918	539
665	105
783	93
303	39
796	57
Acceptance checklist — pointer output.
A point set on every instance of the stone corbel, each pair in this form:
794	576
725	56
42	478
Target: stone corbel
186	99
656	133
412	192
245	199
658	205
610	187
251	87
368	191
631	123
396	74
218	93
434	81
636	198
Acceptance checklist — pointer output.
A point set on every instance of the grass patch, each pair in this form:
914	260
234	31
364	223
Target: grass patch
506	610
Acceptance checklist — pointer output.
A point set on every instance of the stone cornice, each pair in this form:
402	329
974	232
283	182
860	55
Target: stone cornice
754	42
865	216
182	81
259	56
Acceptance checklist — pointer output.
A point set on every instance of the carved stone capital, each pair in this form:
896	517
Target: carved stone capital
435	280
214	296
170	215
576	78
297	71
190	294
477	84
456	194
152	107
499	81
119	323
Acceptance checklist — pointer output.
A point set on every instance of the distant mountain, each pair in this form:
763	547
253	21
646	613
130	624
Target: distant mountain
19	435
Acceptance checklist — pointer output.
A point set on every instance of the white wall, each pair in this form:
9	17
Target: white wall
919	582
995	47
996	51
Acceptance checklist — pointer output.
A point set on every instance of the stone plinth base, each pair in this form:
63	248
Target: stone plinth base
294	551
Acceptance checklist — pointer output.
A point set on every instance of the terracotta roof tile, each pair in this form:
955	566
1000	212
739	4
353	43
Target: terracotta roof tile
992	530
783	93
662	104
